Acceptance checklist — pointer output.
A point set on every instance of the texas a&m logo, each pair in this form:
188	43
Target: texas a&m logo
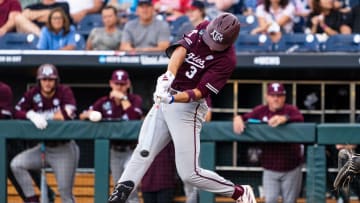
275	86
119	75
217	36
48	70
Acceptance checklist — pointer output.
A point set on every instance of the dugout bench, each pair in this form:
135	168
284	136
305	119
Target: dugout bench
307	133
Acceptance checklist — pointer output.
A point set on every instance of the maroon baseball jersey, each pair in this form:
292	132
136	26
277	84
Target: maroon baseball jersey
110	110
63	100
279	156
202	68
6	99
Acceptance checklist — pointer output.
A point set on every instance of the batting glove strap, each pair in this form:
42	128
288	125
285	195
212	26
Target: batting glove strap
172	99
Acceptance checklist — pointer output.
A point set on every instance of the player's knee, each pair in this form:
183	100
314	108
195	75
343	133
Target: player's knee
188	178
15	164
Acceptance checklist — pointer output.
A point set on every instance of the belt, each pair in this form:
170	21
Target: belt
56	143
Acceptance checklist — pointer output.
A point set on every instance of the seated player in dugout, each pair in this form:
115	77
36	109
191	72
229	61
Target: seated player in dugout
48	100
119	105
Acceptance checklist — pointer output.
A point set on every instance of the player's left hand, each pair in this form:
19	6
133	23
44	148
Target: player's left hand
165	98
277	120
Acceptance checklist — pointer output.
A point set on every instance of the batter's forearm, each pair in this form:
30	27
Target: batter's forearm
177	58
184	97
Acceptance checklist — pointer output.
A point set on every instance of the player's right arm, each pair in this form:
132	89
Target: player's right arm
177	59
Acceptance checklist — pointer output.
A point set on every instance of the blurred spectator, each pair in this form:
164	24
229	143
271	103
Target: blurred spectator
302	11
127	6
34	16
275	18
9	10
355	19
79	9
223	5
159	182
242	7
119	105
58	34
326	19
342	5
282	162
172	9
145	33
48	100
107	37
196	14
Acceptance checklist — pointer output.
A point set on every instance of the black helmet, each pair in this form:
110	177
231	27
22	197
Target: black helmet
47	71
222	32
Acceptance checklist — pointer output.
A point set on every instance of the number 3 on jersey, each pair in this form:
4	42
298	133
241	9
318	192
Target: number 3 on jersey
190	73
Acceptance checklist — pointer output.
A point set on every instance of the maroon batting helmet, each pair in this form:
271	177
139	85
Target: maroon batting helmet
47	71
222	32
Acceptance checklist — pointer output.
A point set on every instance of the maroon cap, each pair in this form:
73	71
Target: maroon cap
222	32
120	76
276	88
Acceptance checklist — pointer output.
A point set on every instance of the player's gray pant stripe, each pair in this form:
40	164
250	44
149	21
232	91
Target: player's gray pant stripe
195	159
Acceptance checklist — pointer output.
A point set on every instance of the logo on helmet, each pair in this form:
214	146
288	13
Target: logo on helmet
217	36
48	71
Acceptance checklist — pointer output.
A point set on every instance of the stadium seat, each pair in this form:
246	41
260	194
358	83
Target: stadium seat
342	43
80	42
297	42
15	40
253	43
89	22
247	23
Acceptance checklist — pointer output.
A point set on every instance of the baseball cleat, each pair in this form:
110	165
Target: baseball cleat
248	196
121	192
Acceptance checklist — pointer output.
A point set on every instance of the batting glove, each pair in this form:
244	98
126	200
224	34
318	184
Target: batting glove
164	81
38	119
165	98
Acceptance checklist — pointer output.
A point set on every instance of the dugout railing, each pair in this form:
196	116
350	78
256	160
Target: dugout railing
315	136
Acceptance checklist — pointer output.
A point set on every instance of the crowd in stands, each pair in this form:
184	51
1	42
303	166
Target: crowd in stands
135	24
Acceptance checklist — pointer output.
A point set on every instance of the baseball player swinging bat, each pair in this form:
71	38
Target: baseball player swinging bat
43	186
145	147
